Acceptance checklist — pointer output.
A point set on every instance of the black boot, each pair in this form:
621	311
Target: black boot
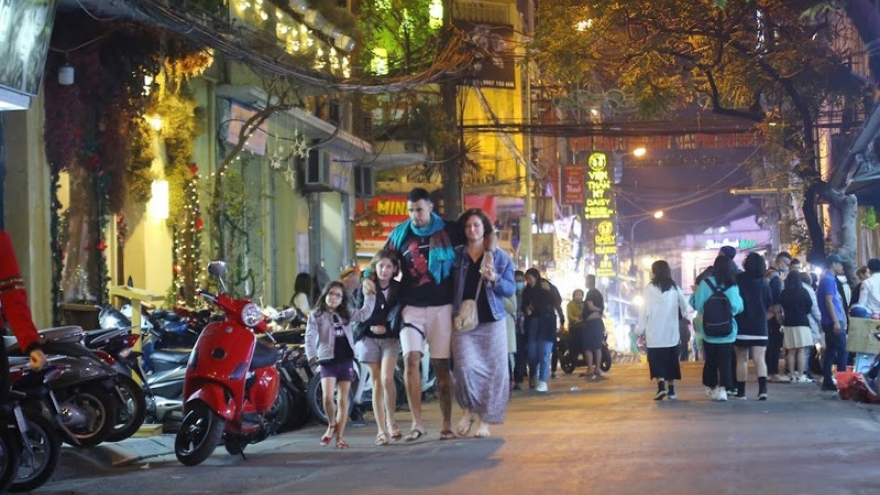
671	395
740	391
762	388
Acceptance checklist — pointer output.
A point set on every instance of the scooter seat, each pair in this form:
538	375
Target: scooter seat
177	357
264	355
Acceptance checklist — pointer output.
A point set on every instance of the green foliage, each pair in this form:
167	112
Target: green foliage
403	28
722	54
869	218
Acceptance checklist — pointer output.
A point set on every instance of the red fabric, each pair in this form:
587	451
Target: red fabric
13	298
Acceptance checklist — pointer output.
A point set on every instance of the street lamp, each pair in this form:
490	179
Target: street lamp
632	234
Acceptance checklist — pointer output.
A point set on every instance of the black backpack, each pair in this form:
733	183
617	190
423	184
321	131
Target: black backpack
717	313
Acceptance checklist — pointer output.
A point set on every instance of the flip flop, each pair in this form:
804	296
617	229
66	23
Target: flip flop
381	438
327	438
447	435
463	429
342	444
415	435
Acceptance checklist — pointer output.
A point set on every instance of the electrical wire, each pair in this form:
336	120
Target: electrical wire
453	60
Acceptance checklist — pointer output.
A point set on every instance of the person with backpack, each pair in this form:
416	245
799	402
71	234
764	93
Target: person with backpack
718	300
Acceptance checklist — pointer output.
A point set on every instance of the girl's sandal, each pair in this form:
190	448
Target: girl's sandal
396	434
342	444
381	438
327	437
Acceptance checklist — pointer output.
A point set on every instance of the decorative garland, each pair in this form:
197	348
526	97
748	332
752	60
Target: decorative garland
97	125
188	245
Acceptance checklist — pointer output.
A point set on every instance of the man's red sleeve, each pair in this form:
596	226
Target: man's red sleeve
13	298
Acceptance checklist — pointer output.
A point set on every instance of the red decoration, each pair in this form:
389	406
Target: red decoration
199	224
193	168
102	245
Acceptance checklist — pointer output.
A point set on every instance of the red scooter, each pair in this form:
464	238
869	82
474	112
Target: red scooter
231	384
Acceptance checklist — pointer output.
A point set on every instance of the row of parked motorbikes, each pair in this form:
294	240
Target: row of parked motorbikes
231	377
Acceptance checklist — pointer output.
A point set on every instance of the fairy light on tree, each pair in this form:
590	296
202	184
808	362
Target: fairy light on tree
187	243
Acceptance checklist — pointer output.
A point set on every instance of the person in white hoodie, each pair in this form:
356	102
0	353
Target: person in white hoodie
658	322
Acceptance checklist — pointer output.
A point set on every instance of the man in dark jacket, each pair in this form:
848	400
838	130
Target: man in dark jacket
775	275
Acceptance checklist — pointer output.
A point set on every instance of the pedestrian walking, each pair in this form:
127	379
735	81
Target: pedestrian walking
484	274
520	370
330	344
302	294
796	307
775	275
378	342
751	324
541	304
831	305
594	329
426	245
718	300
659	323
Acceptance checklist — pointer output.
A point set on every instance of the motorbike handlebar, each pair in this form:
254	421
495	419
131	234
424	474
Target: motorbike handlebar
207	295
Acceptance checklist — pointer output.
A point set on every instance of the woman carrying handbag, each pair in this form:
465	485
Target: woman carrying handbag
483	277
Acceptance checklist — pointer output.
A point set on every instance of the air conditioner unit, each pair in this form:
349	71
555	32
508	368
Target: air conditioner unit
316	171
364	184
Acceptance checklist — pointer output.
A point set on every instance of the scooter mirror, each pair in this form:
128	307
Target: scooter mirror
217	268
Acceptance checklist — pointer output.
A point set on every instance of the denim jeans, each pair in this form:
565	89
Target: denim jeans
539	358
835	352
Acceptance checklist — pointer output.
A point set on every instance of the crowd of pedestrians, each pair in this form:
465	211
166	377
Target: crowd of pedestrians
445	288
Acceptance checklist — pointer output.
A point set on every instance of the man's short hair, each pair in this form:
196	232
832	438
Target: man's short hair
874	265
419	194
784	255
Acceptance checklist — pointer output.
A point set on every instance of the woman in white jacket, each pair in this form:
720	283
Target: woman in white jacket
658	322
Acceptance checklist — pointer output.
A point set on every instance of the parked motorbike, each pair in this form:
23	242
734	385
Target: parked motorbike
119	344
82	380
36	443
231	384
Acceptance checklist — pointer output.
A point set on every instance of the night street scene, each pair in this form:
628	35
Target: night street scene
439	246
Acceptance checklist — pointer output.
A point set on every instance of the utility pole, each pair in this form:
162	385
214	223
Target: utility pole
452	153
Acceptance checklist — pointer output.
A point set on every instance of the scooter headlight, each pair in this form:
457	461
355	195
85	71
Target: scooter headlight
251	315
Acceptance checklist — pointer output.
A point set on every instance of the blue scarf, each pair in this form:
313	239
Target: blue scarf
441	253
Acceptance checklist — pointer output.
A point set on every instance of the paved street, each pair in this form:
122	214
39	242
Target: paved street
608	437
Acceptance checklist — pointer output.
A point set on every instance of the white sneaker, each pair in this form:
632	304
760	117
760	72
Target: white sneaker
721	394
804	379
710	393
776	379
542	387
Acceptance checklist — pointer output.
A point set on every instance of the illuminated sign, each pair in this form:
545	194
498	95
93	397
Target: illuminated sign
573	187
606	249
737	243
598	202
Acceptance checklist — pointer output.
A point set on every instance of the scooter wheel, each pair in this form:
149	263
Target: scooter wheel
605	365
316	401
130	413
45	443
299	411
99	407
199	434
10	454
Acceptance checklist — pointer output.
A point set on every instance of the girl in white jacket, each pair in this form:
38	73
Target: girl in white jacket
658	322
